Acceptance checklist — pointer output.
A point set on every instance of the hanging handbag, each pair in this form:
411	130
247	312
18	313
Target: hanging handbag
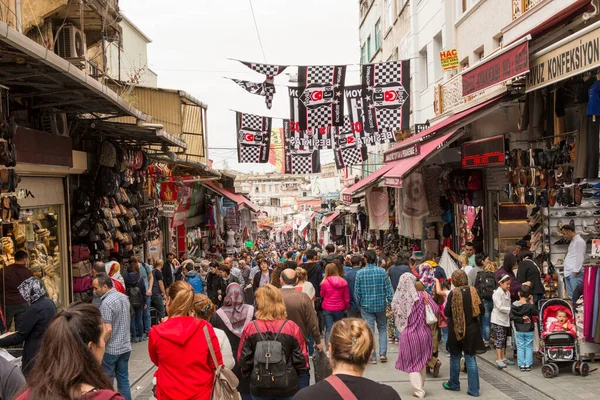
430	317
225	383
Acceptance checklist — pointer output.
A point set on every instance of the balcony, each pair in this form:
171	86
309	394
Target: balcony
520	7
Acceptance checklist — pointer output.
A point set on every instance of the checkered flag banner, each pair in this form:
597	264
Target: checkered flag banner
349	149
302	160
254	138
265	69
266	89
356	114
321	88
319	138
386	88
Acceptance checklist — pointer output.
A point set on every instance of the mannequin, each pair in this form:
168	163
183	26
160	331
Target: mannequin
51	283
230	238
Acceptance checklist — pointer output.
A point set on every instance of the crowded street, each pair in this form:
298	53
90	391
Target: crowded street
299	200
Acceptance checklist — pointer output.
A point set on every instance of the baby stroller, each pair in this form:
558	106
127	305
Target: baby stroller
558	347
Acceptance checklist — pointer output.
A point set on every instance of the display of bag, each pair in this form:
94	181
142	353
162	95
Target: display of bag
80	253
225	382
82	284
82	268
108	155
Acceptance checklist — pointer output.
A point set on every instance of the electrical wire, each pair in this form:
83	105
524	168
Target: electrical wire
257	31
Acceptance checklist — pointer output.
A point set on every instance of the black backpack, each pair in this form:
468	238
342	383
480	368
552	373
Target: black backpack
485	283
135	295
270	364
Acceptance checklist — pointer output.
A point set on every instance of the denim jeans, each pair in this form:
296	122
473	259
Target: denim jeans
331	317
137	324
146	316
159	304
381	321
472	373
444	332
486	319
571	282
310	345
524	349
118	366
304	380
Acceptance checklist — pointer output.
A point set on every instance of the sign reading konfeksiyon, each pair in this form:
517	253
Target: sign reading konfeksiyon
579	55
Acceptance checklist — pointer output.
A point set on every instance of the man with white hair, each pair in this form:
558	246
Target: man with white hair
234	270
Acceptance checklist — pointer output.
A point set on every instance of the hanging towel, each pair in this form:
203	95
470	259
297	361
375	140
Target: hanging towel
414	199
378	208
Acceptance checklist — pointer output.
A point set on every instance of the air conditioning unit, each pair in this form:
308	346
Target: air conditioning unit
70	43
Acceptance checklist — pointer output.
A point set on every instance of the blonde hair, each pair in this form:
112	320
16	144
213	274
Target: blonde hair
351	342
463	260
490	267
181	295
301	274
330	270
269	304
203	307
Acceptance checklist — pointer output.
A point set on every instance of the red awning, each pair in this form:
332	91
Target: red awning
241	201
287	228
330	218
365	182
394	176
447	123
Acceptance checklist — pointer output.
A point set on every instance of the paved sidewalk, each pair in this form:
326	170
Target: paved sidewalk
141	369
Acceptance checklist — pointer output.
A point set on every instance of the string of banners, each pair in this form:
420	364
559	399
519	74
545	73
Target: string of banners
376	109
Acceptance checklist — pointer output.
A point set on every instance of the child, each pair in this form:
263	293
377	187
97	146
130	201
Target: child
562	323
522	313
501	320
442	289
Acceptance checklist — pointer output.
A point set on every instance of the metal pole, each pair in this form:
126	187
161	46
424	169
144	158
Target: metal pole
19	16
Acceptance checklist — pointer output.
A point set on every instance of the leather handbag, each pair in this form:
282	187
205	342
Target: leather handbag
80	253
225	382
513	229
82	268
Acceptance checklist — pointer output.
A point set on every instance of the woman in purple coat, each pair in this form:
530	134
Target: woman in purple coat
416	342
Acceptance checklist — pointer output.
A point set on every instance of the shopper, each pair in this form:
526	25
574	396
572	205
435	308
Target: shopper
509	265
399	267
415	344
159	293
479	264
350	277
485	283
36	320
271	324
179	349
263	277
336	297
169	270
148	278
469	252
372	292
464	336
115	313
573	263
136	292
228	277
205	309
530	272
350	348
522	313
12	380
13	304
501	321
113	269
215	286
66	368
303	286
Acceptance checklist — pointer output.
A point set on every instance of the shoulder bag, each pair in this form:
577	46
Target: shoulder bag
225	383
340	387
430	317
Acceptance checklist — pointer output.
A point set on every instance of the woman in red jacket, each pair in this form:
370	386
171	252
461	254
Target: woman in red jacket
179	349
336	297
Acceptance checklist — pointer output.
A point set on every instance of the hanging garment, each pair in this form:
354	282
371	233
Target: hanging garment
596	323
593	147
589	292
431	176
414	202
559	115
377	203
581	138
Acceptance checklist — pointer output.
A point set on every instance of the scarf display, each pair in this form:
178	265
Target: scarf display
303	160
404	298
377	203
320	94
348	147
426	275
32	290
254	138
459	280
386	88
266	89
414	203
431	177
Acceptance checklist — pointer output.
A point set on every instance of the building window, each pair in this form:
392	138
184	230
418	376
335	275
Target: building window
377	35
464	64
363	54
270	188
256	190
423	67
364	8
263	188
394	55
369	48
479	54
462	6
499	41
389	14
437	65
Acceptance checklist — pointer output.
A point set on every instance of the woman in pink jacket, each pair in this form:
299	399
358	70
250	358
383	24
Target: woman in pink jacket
336	297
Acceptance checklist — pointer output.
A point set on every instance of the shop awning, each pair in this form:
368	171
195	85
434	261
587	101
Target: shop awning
394	176
287	228
241	201
461	119
330	218
140	134
364	183
35	72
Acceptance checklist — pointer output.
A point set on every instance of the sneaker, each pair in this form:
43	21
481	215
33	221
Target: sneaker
523	369
528	368
508	362
586	213
500	364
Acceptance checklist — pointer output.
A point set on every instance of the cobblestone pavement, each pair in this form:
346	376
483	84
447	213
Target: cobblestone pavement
495	384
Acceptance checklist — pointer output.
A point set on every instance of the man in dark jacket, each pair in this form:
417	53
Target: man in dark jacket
314	272
400	267
12	276
350	277
330	256
215	289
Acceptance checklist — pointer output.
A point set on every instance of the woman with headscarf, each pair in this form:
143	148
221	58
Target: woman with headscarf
464	336
231	318
113	269
509	265
36	320
427	283
427	275
416	342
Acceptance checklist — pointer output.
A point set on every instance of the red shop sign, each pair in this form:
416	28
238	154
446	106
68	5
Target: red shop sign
513	63
347	198
401	153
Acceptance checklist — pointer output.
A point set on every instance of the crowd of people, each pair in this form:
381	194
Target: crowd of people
264	313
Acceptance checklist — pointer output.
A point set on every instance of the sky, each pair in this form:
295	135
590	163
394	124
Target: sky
193	40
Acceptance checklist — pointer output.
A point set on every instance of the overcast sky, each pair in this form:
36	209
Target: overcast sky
193	39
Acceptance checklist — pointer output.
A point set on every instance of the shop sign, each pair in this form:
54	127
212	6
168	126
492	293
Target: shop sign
580	54
449	59
168	208
421	127
414	149
393	182
229	203
347	198
480	153
510	64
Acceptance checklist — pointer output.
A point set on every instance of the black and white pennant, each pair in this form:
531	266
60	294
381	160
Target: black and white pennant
357	114
254	138
349	149
321	89
299	159
266	89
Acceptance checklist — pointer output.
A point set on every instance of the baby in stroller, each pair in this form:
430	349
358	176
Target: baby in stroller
561	324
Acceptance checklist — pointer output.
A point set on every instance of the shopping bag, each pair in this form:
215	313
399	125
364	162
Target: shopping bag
536	339
322	365
448	263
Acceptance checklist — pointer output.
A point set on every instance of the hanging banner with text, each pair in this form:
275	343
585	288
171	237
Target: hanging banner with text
578	55
505	66
449	59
